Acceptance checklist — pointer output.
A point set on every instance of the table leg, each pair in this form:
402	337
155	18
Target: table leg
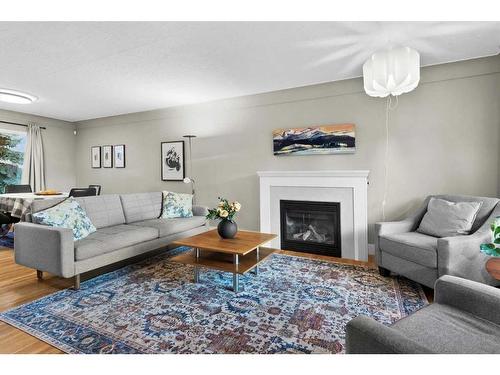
256	269
196	268
236	280
236	283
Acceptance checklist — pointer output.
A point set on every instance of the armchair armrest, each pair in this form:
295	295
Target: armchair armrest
366	336
200	210
409	224
461	256
45	248
391	227
475	298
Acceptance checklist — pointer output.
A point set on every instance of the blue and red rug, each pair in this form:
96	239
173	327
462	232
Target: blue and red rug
294	305
7	240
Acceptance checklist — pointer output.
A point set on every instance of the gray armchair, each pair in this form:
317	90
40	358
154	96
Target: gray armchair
423	258
463	319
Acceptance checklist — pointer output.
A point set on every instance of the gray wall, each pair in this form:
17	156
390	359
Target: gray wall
444	138
59	147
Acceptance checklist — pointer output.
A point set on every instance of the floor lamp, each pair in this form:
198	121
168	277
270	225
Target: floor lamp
190	180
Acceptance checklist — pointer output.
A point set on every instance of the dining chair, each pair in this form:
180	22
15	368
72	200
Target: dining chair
97	188
82	192
6	222
18	189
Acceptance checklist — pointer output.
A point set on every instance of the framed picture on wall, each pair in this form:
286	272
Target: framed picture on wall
119	156
315	140
172	161
107	156
95	156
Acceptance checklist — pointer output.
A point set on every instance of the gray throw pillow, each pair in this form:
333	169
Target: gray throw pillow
447	219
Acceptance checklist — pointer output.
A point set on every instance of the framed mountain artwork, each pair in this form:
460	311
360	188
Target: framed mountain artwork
172	161
315	140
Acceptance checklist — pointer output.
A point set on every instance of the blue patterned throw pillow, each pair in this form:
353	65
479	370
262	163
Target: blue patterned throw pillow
67	214
176	205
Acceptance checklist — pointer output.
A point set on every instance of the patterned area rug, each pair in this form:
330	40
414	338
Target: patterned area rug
294	305
7	240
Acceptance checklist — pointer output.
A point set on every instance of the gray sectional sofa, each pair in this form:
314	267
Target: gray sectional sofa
127	225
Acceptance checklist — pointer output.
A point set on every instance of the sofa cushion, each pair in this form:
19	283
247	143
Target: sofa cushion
167	227
104	210
487	206
67	214
413	246
109	239
444	329
446	219
176	205
141	206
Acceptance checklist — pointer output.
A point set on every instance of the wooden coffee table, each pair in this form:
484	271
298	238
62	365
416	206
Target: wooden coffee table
237	255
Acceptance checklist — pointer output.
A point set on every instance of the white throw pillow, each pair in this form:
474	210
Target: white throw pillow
67	214
447	219
176	205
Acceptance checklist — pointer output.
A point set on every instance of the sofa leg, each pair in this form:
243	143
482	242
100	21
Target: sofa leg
39	274
384	272
77	282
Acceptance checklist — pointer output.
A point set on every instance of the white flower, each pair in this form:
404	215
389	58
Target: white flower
237	206
221	204
223	213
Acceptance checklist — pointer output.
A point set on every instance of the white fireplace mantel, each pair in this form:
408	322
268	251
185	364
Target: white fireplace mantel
354	180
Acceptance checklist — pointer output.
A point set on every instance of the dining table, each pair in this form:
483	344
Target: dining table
19	204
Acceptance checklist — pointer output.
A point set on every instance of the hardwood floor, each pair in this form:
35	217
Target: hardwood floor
19	285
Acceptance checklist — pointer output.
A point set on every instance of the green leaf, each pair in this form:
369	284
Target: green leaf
490	249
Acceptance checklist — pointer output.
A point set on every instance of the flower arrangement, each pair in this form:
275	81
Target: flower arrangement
224	210
493	248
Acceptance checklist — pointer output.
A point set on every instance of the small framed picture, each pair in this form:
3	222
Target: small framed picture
172	161
119	156
107	156
95	156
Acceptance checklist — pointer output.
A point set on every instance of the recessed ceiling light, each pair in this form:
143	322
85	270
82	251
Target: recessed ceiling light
17	97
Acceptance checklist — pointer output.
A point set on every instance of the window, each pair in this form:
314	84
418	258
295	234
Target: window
12	147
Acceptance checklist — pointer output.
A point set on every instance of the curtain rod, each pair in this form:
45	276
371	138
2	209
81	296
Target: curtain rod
15	123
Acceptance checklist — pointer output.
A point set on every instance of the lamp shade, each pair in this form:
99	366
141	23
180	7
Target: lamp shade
392	72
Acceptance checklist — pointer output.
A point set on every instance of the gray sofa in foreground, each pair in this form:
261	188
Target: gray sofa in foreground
127	225
463	319
423	258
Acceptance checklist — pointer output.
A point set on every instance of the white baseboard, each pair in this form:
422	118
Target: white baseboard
371	249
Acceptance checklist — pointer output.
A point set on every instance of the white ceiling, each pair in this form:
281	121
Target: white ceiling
88	70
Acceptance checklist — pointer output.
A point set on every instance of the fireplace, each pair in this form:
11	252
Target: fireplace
311	227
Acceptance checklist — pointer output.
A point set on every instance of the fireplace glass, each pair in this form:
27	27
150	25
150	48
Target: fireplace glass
309	226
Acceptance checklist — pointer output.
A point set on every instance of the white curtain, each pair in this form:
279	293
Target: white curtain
33	168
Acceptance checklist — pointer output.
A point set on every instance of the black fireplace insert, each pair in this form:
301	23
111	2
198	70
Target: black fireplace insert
311	227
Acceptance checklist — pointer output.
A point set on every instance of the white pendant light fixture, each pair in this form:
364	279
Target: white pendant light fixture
394	71
391	72
16	97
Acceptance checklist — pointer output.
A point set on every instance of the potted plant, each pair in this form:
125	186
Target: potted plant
493	248
225	212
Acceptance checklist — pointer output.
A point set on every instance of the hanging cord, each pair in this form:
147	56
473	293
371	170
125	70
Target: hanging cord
388	108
